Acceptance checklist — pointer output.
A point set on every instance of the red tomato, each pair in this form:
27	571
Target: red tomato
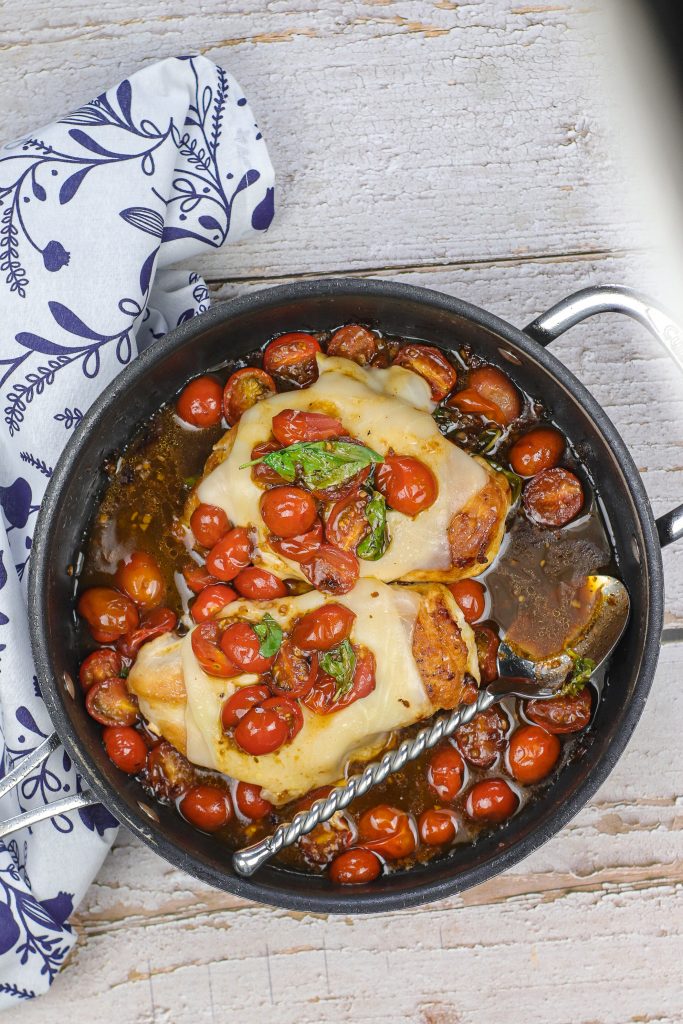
347	524
261	731
288	511
293	672
241	701
437	826
491	801
289	710
208	523
321	699
301	547
140	578
108	613
205	647
431	364
197	577
125	747
331	570
494	385
230	555
487	642
244	389
532	754
259	585
241	646
407	484
355	867
481	740
167	773
211	600
250	803
445	772
563	714
292	357
472	403
324	627
471	598
98	666
553	498
110	703
262	473
206	807
387	831
356	343
199	403
541	448
291	426
153	624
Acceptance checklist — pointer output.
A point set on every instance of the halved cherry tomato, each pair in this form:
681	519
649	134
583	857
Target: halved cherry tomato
472	403
494	385
355	867
291	426
491	801
446	772
408	485
208	523
356	343
554	497
563	714
431	364
241	701
293	673
328	839
471	598
199	403
110	703
261	731
262	473
292	357
347	524
205	647
331	570
301	547
108	613
250	803
541	448
230	555
387	831
211	600
244	389
288	511
155	623
488	642
167	773
259	584
321	699
241	646
125	747
532	754
437	826
98	666
140	578
481	740
206	807
324	627
197	577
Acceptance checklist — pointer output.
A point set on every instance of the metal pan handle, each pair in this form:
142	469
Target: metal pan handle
612	299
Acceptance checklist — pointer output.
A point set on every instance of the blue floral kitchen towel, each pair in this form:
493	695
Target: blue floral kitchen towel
93	210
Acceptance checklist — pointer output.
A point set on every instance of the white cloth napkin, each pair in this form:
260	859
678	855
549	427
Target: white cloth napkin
168	164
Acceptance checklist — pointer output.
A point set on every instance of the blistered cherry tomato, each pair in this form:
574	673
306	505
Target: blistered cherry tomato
446	772
331	570
355	867
494	385
167	773
154	623
563	714
431	364
250	803
261	731
110	703
408	485
241	701
487	642
98	666
541	448
206	807
289	710
125	747
554	497
292	357
288	511
347	524
241	646
230	555
199	403
481	740
356	343
259	585
471	598
322	700
197	577
437	826
472	403
108	613
301	547
244	389
262	473
291	426
387	831
140	578
293	673
211	600
208	523
205	647
324	627
532	754
491	801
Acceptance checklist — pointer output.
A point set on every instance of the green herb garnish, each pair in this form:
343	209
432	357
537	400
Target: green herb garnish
269	634
340	663
190	481
512	478
376	543
581	673
488	439
319	464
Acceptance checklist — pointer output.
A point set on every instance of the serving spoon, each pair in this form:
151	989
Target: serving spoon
518	677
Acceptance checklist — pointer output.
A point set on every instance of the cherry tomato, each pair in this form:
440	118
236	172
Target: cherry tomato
230	555
331	570
291	426
408	485
563	714
262	473
494	385
328	839
471	598
241	701
289	710
553	498
199	403
431	364
541	448
259	585
244	389
261	731
301	547
356	343
293	673
487	642
205	647
98	666
387	831
481	740
324	627
355	867
167	773
288	511
532	754
250	803
125	747
472	403
140	578
446	772
347	523
241	646
437	826
197	577
206	807
321	699
110	703
211	600
491	801
108	613
155	623
208	523
292	357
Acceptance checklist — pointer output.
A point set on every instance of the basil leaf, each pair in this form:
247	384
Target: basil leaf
319	464
580	675
269	634
340	663
376	543
512	478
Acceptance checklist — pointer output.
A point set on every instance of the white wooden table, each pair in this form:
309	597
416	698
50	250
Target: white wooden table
469	147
